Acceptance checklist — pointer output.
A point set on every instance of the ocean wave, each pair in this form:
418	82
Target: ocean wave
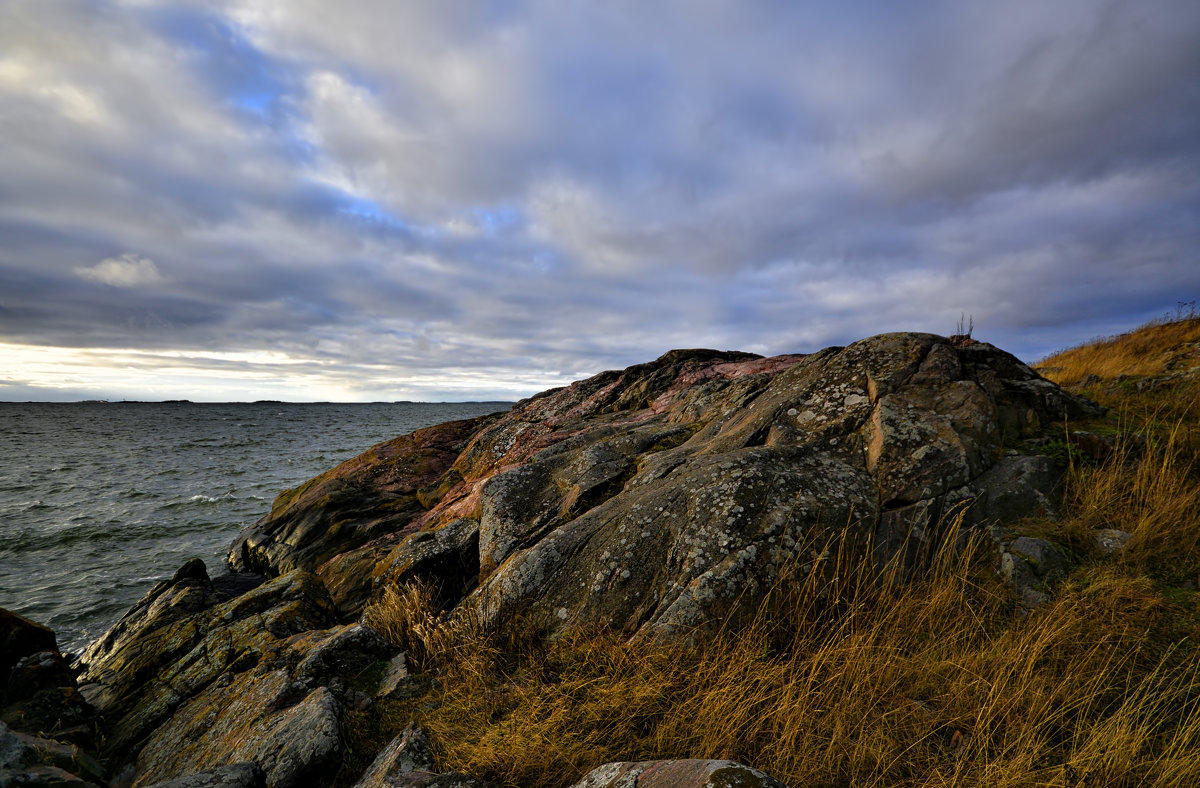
133	492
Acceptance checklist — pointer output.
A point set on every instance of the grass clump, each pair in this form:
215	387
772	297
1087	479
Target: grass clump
856	681
848	677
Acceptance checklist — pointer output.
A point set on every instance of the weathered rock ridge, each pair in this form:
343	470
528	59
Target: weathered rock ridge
660	500
650	499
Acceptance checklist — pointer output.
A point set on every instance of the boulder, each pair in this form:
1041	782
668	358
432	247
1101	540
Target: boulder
407	753
33	761
688	773
1030	566
1111	540
406	762
291	732
37	688
20	637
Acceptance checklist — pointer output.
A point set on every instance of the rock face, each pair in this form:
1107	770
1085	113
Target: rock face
659	500
688	773
188	683
43	718
652	498
378	493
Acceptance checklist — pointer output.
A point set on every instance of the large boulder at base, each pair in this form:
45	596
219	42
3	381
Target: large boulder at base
20	637
37	688
29	760
687	773
660	498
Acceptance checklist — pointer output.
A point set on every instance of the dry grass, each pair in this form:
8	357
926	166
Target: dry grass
850	678
1149	350
937	681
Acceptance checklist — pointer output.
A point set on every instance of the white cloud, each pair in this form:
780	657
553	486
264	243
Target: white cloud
128	270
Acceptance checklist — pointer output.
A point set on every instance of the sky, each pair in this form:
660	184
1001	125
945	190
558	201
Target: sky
481	199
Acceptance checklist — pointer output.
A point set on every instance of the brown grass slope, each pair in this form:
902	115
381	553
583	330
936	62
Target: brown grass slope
848	678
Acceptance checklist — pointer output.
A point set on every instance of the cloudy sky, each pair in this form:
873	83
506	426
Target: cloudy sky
457	199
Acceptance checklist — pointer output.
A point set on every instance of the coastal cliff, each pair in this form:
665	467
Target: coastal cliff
663	503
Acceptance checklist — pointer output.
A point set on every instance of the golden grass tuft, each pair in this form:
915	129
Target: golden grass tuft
1152	349
935	681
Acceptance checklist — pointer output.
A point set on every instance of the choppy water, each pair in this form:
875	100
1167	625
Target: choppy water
99	501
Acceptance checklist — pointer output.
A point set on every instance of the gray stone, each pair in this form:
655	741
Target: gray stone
27	760
236	775
1017	486
404	755
689	773
1030	566
269	719
395	678
1112	540
346	653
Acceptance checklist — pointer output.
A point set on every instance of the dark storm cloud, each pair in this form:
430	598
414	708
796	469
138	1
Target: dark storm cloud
529	191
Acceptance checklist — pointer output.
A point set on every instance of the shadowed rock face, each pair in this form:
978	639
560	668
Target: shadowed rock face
652	499
378	492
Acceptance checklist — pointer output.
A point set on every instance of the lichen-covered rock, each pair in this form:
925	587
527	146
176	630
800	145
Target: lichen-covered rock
407	753
654	499
687	773
291	732
160	655
1112	540
1030	566
236	775
1017	486
446	558
889	435
379	492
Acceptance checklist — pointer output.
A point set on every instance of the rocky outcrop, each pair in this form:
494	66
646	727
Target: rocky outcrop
660	500
188	683
653	498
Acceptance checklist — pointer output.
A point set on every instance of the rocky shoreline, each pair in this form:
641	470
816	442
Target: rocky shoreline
660	501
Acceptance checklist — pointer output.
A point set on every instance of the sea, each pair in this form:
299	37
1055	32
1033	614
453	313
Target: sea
101	500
